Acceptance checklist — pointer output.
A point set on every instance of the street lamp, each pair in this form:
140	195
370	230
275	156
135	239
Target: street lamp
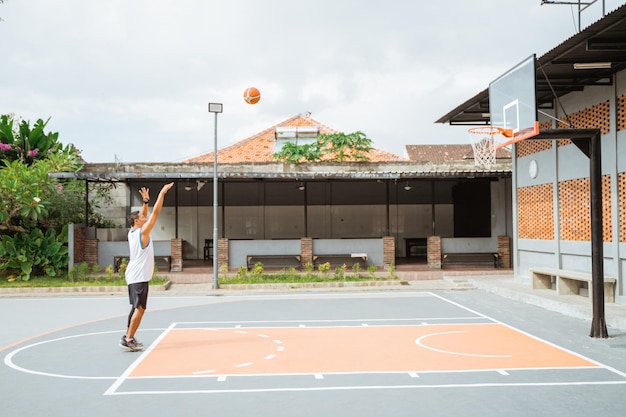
215	108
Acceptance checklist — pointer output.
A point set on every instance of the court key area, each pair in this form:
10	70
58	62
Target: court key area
344	354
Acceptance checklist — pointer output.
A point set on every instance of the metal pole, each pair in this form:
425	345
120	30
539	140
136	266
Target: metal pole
589	142
598	324
215	207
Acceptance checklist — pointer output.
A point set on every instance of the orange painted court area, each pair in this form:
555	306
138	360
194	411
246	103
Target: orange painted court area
319	350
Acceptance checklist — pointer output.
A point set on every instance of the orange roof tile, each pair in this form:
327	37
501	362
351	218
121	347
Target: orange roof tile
447	153
260	147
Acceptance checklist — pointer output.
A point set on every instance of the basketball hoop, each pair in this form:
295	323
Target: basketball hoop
484	144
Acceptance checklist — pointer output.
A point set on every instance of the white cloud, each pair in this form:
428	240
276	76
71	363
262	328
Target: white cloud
133	79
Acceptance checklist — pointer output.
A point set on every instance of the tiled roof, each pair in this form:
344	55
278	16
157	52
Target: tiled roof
447	153
260	147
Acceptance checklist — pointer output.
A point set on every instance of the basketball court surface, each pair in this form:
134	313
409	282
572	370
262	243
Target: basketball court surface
345	354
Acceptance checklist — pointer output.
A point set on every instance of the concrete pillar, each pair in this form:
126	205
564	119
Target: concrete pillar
504	251
306	251
433	252
222	253
389	251
176	252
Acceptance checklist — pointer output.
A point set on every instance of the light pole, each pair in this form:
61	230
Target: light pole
215	108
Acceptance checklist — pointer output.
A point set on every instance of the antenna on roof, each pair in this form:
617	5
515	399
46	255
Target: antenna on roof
582	6
118	161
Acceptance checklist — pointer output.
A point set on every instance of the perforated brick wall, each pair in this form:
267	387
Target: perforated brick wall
529	147
622	206
621	112
535	212
575	209
594	117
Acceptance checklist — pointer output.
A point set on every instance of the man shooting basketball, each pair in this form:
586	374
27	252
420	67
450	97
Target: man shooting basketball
141	264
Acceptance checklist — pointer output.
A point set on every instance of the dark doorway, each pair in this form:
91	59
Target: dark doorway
472	209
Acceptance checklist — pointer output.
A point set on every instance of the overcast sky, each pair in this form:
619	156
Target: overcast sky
131	79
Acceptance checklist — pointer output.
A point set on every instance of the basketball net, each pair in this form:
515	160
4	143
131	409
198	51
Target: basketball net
484	144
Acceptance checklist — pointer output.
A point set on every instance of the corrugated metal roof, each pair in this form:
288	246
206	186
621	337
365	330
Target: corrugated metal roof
277	170
590	45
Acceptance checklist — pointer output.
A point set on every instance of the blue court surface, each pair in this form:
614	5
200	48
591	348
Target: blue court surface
389	353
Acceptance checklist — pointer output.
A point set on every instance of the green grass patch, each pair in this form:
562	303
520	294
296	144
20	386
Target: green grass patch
41	282
296	278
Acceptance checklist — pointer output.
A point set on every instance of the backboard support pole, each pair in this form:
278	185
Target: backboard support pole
588	141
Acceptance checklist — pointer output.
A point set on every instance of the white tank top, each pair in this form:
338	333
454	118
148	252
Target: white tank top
141	265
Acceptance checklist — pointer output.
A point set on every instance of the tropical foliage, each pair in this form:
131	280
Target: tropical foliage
34	208
335	147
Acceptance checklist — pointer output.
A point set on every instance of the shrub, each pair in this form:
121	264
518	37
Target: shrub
122	271
340	272
33	252
372	270
79	272
109	271
242	272
324	268
258	269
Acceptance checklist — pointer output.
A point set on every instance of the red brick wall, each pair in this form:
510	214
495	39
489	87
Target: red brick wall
433	252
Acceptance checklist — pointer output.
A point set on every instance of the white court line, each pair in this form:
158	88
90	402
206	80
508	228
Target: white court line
238	323
374	387
132	367
411	373
8	359
419	342
620	373
120	380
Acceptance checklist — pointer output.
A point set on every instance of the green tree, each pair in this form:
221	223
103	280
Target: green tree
341	147
32	239
18	141
21	191
336	147
293	153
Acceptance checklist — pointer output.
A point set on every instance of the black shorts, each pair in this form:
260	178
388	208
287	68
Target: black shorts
138	294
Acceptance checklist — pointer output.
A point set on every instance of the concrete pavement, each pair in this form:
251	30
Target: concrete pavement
499	282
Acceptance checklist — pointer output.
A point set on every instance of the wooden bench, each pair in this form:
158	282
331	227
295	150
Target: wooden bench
347	259
569	282
416	247
163	261
475	258
274	261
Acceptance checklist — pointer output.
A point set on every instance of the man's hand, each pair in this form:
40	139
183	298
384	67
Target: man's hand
167	187
145	193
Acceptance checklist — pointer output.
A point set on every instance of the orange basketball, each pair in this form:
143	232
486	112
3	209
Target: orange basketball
252	95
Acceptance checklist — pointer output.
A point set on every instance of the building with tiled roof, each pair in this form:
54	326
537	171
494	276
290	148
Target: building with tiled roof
384	208
260	146
447	153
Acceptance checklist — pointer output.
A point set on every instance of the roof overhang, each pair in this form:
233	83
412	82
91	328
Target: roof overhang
116	172
602	42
